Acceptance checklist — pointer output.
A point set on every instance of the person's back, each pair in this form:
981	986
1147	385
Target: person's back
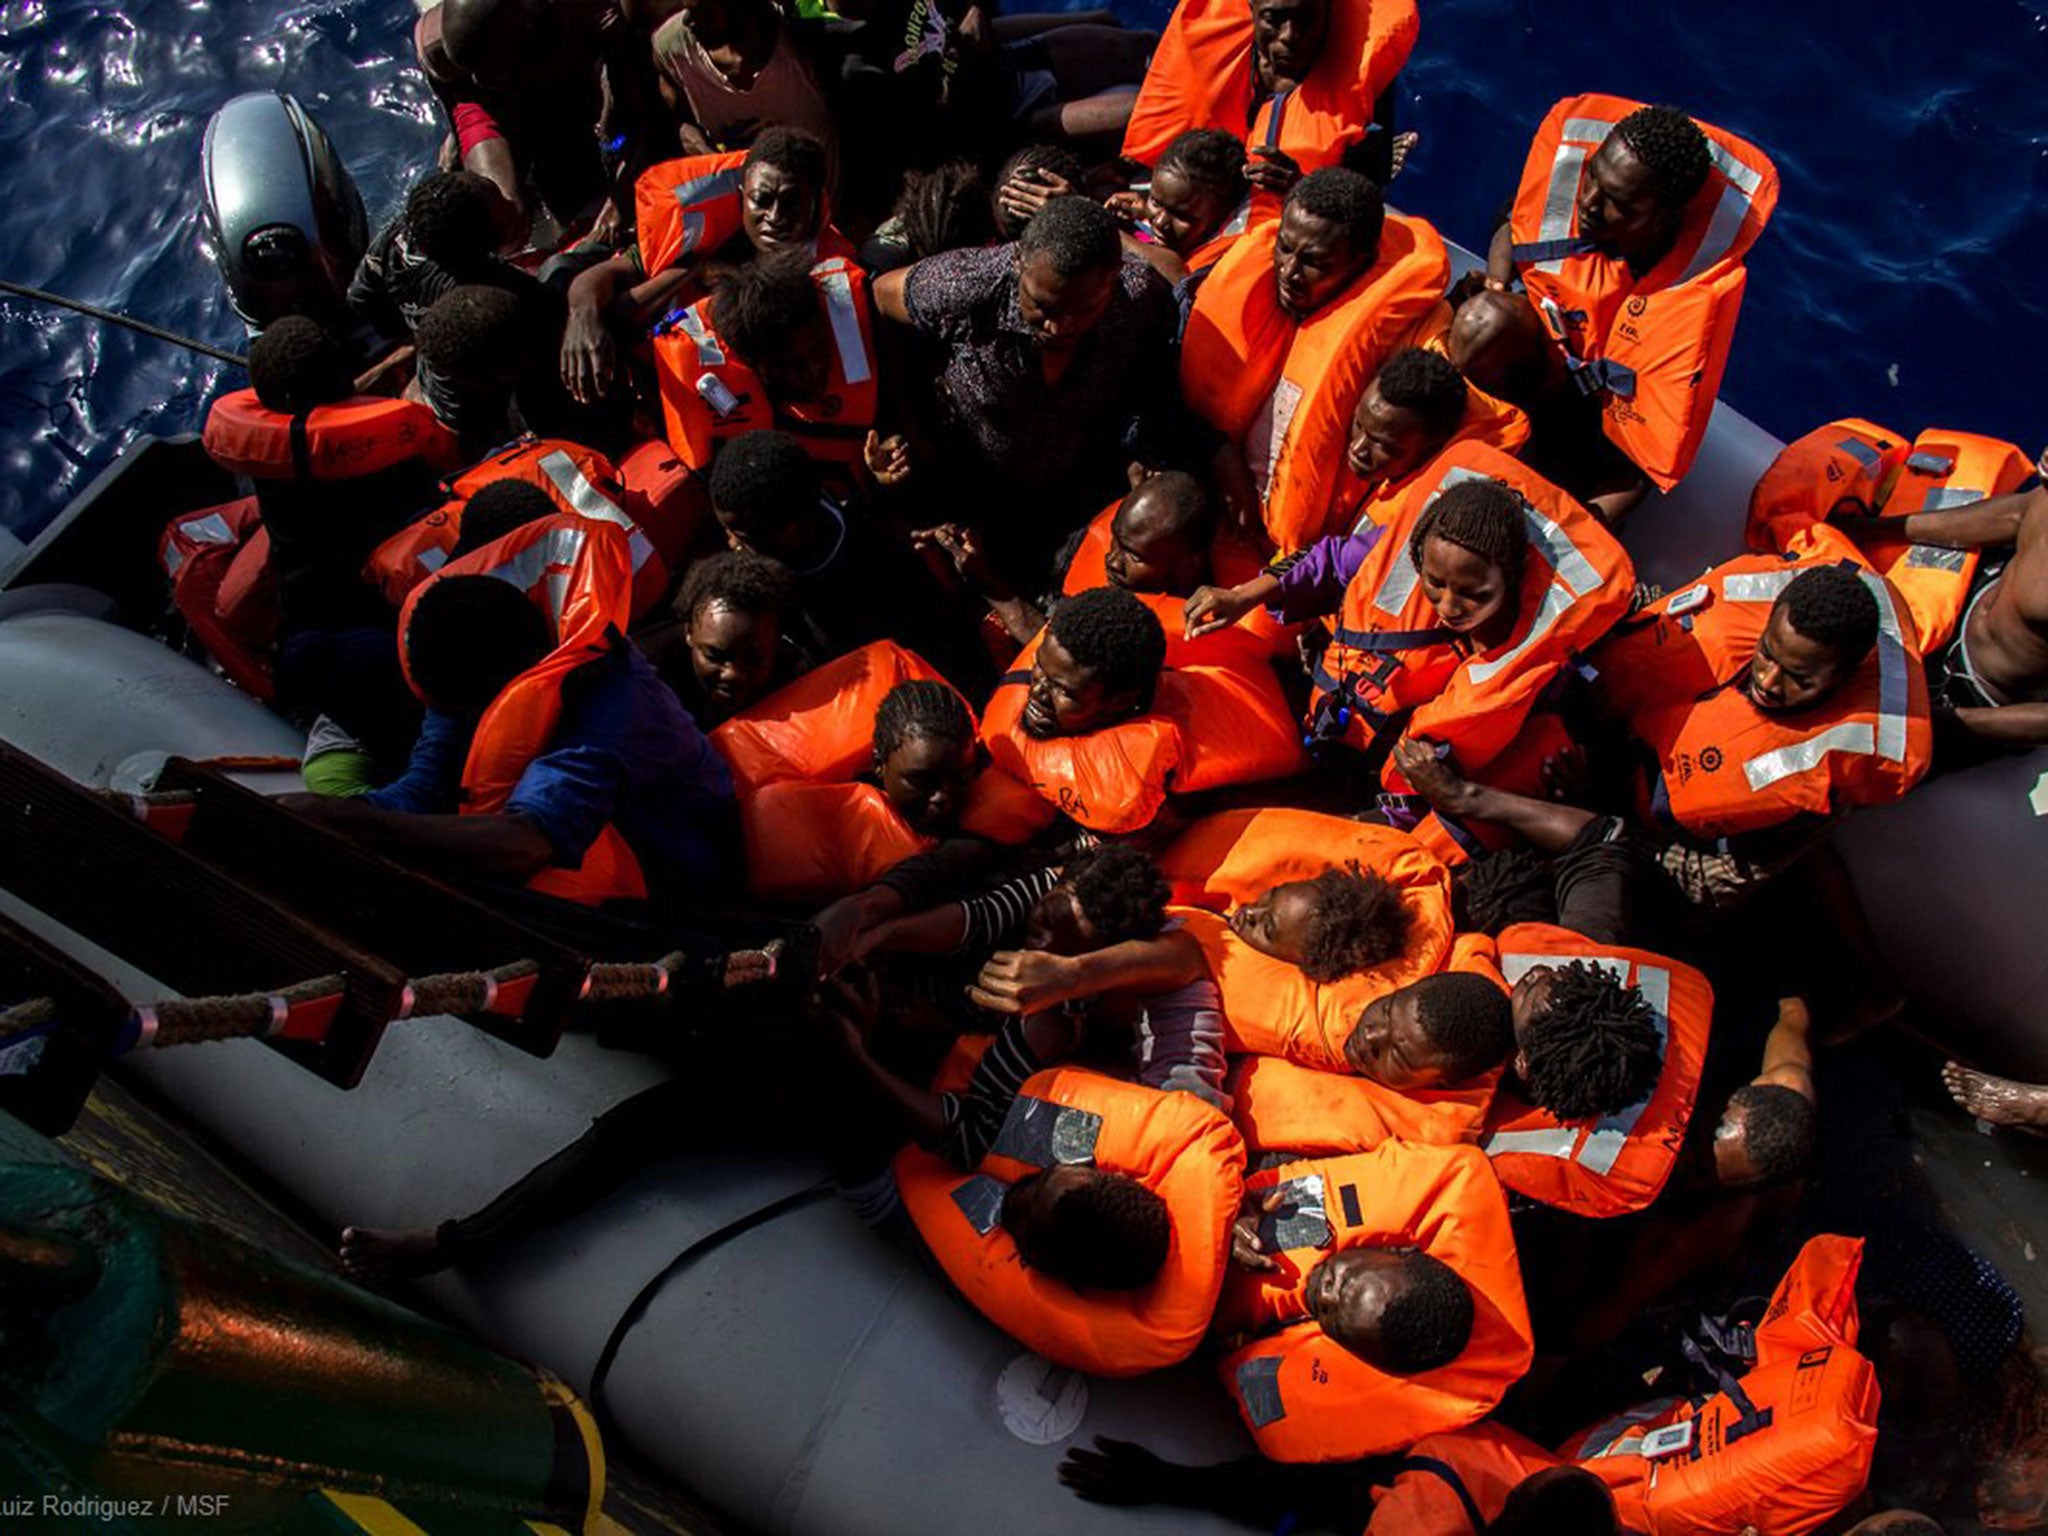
448	234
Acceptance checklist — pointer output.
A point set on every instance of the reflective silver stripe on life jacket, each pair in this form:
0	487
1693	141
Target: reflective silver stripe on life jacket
1042	1133
588	501
1865	455
209	529
980	1200
1258	1389
1942	497
1853	738
1574	578
1300	1220
1598	1146
1756	586
1582	137
547	559
696	190
854	364
432	558
1730	210
710	351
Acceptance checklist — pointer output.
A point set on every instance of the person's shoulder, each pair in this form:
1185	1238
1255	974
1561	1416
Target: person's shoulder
1148	295
952	282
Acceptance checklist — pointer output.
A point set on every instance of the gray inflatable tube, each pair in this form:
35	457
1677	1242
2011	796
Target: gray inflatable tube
764	1348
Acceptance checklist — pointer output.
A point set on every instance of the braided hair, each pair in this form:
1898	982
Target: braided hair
1483	516
1595	1050
922	709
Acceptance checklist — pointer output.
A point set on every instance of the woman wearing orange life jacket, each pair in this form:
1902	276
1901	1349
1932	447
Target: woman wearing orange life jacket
1323	1364
1088	719
1302	83
1629	231
852	768
576	480
1194	207
1782	1448
1285	333
1855	476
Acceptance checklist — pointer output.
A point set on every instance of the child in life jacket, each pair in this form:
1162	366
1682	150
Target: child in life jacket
724	645
1186	217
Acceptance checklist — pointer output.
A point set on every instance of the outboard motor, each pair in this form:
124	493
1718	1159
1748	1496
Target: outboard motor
285	219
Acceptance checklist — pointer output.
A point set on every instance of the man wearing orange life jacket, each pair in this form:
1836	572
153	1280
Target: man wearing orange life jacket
1285	333
552	755
1304	82
1628	233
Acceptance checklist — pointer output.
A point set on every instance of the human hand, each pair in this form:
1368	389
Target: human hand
1474	282
1020	981
1431	774
1213	608
1029	190
974	30
590	358
1564	774
1247	1248
849	1004
1271	170
959	545
606	228
1116	1472
1127	207
842	932
887	458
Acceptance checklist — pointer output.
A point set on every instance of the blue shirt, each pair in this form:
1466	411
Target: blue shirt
624	751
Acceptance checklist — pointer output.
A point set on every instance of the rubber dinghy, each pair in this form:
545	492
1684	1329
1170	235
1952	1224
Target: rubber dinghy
727	1312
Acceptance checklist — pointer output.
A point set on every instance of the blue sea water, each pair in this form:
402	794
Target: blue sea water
1902	278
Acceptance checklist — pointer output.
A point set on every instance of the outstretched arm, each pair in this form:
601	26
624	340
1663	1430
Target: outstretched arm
1549	826
1991	523
2016	725
1266	1494
1788	1050
1028	980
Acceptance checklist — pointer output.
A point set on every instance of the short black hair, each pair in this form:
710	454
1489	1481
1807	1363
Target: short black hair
1425	382
475	331
760	307
1467	1020
800	154
1208	157
1115	636
498	508
1832	605
922	709
946	209
1595	1050
1344	198
740	580
1120	890
1074	234
1360	922
761	480
1109	1234
1777	1129
298	364
1483	516
450	219
1195	511
1673	147
1032	157
1567	1498
1428	1322
469	636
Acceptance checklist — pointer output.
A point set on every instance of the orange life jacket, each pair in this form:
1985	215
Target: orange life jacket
1653	350
1279	1107
1283	389
580	481
1389	657
345	441
1862	466
1269	1005
580	574
1307	1399
1246	643
709	393
1174	1144
1784	1448
666	498
812	830
1208	726
1454	1484
1719	766
1202	75
217	559
690	207
1619	1162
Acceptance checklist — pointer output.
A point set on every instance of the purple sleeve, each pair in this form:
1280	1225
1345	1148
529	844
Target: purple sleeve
1314	584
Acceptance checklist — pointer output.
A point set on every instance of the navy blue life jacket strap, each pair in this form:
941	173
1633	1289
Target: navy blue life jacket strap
302	445
1449	1474
1539	251
1279	112
1381	640
1604	376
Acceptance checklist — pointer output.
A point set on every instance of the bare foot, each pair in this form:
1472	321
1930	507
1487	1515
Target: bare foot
1999	1100
382	1255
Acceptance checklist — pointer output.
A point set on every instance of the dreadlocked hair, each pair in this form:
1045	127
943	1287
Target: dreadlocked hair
1360	921
1483	516
1671	145
922	709
1595	1050
1501	888
1119	890
946	209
